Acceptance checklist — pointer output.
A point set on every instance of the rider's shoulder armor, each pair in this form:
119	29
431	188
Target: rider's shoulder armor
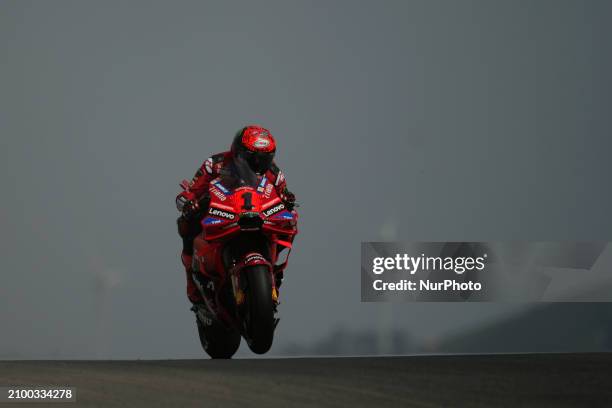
277	173
210	168
274	169
213	164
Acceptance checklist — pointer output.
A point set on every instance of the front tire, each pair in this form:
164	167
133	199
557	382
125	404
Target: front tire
259	313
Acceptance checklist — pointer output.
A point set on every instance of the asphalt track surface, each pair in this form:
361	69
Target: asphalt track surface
538	380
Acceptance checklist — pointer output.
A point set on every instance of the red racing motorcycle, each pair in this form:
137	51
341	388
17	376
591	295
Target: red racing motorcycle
239	260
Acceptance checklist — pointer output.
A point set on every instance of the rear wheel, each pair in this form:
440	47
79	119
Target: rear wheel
217	340
259	313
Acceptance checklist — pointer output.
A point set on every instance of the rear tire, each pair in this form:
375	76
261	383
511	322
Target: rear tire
217	340
259	313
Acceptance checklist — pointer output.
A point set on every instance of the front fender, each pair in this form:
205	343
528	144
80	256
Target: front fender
250	259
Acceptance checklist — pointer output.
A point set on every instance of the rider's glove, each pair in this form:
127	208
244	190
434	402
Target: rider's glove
288	198
186	203
191	207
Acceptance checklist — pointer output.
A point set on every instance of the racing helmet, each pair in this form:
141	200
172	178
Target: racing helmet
256	146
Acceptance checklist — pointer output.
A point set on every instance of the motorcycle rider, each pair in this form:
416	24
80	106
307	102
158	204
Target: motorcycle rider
252	144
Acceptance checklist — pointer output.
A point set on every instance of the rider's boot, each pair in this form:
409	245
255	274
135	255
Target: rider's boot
193	294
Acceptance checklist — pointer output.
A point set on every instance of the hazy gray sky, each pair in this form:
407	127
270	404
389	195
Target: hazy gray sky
471	120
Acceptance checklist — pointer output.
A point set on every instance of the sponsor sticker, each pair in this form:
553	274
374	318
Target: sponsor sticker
285	215
268	191
262	184
218	194
212	221
253	258
221	214
261	143
274	210
221	187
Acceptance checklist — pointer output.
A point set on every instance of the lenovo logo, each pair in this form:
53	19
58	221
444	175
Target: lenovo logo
222	214
273	210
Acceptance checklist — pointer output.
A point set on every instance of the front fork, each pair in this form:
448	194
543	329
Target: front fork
239	283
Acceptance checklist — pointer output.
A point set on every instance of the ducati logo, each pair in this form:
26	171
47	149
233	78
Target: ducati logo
222	214
273	210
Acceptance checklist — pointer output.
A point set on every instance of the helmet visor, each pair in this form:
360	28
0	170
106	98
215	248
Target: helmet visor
259	162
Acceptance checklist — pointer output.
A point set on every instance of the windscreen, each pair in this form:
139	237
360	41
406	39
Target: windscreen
238	174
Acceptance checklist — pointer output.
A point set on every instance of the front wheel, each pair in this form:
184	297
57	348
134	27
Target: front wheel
259	313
